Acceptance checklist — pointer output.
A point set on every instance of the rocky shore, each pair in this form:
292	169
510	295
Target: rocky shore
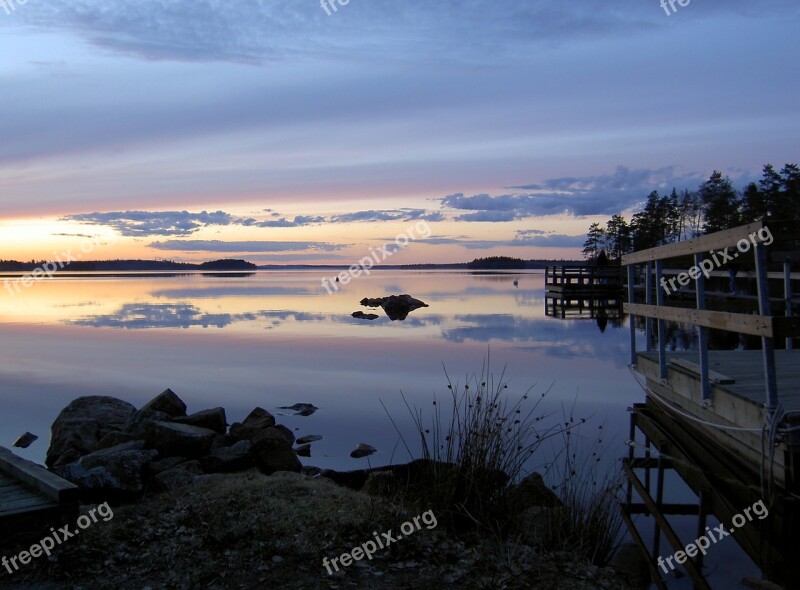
200	503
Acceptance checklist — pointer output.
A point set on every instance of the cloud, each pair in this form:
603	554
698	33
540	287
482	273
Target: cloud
389	215
258	31
524	238
604	194
155	223
299	221
243	246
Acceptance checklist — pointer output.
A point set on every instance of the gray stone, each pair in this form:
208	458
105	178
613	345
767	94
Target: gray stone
168	402
82	424
171	439
213	419
273	452
115	473
236	457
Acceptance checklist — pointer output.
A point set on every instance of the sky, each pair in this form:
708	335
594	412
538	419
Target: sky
293	132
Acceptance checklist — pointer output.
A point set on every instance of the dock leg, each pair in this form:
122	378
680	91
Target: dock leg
662	325
632	318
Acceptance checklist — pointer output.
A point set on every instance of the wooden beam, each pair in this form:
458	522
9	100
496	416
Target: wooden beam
53	487
695	368
742	323
700	244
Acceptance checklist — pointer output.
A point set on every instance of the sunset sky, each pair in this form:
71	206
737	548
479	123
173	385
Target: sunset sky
272	131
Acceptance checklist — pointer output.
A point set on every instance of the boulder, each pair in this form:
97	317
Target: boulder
116	473
256	422
286	432
213	419
82	424
236	457
168	402
135	426
112	439
273	452
303	450
532	491
171	439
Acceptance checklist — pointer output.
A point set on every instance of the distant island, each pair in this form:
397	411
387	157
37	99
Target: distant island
479	264
132	265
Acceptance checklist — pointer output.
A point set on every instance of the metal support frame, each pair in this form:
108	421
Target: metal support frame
662	325
702	333
787	296
767	344
648	299
632	318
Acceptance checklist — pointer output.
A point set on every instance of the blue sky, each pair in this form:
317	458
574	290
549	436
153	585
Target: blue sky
509	126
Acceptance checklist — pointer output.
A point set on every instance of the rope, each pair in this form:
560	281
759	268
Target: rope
769	432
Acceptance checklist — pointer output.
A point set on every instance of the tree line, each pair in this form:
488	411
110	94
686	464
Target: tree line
716	205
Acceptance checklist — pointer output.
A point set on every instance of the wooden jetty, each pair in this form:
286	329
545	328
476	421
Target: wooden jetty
31	497
727	421
586	280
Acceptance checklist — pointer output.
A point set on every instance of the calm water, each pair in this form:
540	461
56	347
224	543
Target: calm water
276	338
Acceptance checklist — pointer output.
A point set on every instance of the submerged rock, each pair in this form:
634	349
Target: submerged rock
309	438
301	409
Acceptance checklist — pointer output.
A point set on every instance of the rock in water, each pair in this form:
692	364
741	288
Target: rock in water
397	307
301	409
26	440
303	450
363	450
309	438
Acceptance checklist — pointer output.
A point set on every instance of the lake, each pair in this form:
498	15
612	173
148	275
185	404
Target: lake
273	339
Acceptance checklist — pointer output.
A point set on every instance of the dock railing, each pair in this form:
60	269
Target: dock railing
583	277
781	238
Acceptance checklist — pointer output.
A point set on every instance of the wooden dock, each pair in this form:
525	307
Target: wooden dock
31	496
585	281
728	421
737	390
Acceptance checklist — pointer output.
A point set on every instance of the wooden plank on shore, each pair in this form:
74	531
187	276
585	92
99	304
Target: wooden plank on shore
754	325
695	368
53	487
